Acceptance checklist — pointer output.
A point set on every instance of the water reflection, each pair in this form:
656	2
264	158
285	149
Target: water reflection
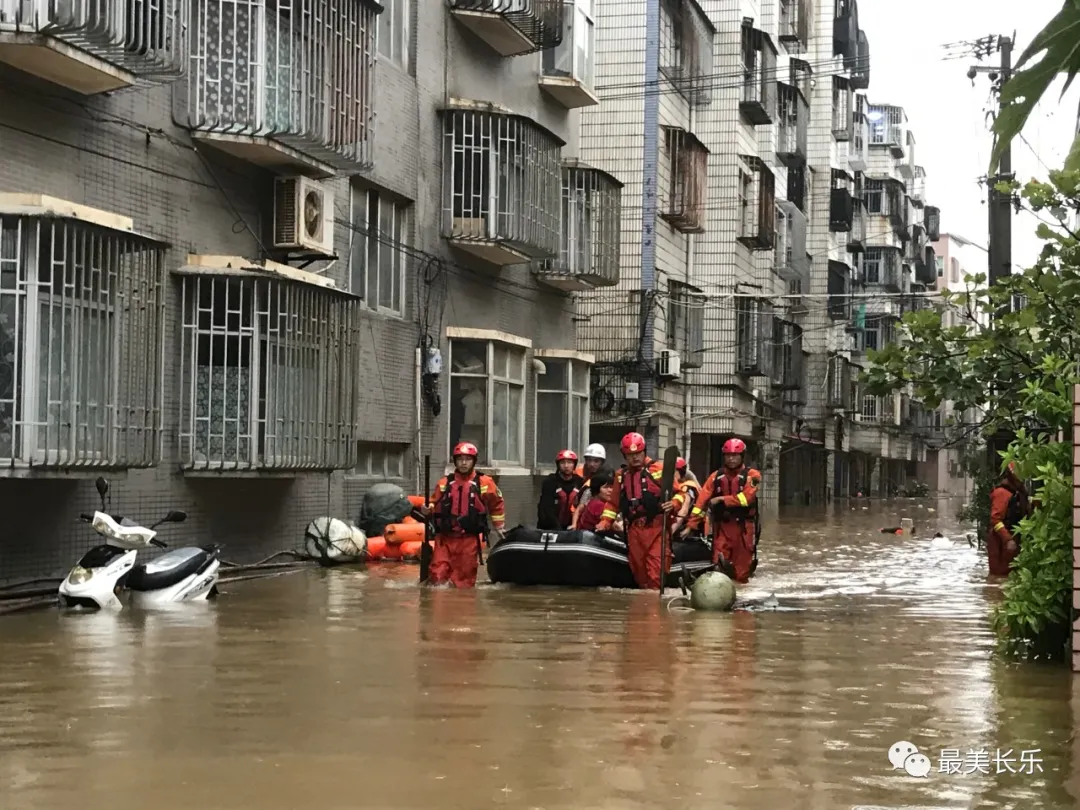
347	689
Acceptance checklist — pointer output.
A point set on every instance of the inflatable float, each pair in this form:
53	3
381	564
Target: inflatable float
578	559
333	542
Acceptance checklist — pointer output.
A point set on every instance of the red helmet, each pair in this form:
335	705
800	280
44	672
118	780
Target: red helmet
680	464
632	443
566	455
465	449
734	446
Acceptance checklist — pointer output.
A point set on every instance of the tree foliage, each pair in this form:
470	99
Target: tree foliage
1014	355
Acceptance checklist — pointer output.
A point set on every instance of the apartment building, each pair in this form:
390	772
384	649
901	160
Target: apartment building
252	261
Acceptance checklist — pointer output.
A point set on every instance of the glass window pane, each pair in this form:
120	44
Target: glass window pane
387	255
468	356
399	257
551	428
372	222
500	425
501	360
516	365
515	419
358	247
468	413
581	378
580	423
554	379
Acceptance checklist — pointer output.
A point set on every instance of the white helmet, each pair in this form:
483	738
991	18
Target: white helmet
595	451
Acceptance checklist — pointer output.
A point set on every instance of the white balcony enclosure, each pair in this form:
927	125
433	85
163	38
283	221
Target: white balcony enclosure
859	146
888	127
287	88
96	46
502	184
569	68
591	211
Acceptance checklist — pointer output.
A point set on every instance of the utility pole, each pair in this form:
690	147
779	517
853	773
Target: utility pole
651	124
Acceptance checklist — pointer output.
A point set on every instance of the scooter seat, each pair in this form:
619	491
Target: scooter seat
168	569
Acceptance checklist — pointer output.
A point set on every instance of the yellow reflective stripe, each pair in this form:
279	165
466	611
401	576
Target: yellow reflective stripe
696	511
498	517
608	514
999	526
657	475
483	489
742	499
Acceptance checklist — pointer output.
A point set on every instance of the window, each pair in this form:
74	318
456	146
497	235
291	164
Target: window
686	323
380	460
839	301
575	56
377	253
753	334
758	225
267	375
393	34
81	332
940	262
487	399
842	120
562	408
872	261
954	271
687	164
758	103
874	197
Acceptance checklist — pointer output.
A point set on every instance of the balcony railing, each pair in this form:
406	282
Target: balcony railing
794	25
860	71
792	262
846	29
95	46
682	202
591	211
787	362
932	220
841	210
888	127
842	114
796	186
568	73
758	103
757	229
686	50
82	328
926	267
502	185
839	383
793	119
839	291
267	374
857	235
753	336
287	91
513	27
881	266
859	153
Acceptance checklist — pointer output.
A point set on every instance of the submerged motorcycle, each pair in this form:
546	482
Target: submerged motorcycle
185	574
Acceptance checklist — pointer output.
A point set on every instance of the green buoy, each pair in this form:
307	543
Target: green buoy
712	591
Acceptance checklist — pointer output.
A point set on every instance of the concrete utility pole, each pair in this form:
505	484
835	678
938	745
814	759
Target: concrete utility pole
648	215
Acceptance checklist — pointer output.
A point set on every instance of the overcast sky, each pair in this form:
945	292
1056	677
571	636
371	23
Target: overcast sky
947	114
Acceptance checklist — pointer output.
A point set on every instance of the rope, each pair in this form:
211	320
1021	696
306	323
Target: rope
674	608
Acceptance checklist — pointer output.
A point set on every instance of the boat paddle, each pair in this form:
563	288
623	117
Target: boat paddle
425	549
667	484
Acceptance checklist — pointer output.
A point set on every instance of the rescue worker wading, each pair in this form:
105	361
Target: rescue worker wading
1008	506
636	496
730	496
560	490
595	455
462	506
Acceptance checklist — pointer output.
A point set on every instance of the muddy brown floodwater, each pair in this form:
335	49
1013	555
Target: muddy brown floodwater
335	690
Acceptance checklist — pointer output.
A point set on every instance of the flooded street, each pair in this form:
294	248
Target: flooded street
348	689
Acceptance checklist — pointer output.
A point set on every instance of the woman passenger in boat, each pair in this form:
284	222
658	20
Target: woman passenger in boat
600	488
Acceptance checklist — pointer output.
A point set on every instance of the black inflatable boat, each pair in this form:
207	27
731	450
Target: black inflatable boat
574	559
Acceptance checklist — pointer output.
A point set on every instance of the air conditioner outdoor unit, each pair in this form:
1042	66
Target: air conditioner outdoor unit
669	365
303	215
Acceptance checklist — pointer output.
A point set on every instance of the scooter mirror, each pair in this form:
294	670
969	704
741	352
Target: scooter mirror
102	487
175	516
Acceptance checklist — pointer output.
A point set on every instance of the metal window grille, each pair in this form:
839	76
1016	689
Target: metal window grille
758	103
787	362
538	21
686	323
860	70
267	375
845	29
753	334
300	73
932	220
686	50
838	291
794	25
842	113
81	335
839	383
859	151
147	38
761	234
683	204
888	126
796	188
591	220
793	264
503	182
873	408
793	118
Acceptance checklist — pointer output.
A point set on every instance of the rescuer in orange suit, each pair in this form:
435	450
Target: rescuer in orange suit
558	494
636	496
730	496
464	507
1008	506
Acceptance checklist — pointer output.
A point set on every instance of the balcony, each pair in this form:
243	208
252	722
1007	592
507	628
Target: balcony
839	291
787	359
846	29
686	50
796	186
856	239
843	118
502	185
917	186
841	210
839	383
926	267
302	105
589	257
907	167
568	74
512	27
758	103
860	71
95	46
682	199
791	261
757	204
82	299
859	153
932	220
753	336
888	127
793	118
880	266
794	25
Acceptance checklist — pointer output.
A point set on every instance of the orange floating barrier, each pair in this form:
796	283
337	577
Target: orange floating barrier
376	546
398	533
391	552
417	500
411	549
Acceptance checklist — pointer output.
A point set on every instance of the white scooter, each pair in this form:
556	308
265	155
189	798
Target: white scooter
183	575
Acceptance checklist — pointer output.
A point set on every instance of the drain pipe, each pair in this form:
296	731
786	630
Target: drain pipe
688	395
650	157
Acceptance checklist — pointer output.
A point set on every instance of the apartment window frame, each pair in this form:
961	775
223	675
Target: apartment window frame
760	209
754	319
511	347
954	270
686	323
758	58
939	261
392	458
572	429
390	44
839	291
575	56
372	246
688	181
